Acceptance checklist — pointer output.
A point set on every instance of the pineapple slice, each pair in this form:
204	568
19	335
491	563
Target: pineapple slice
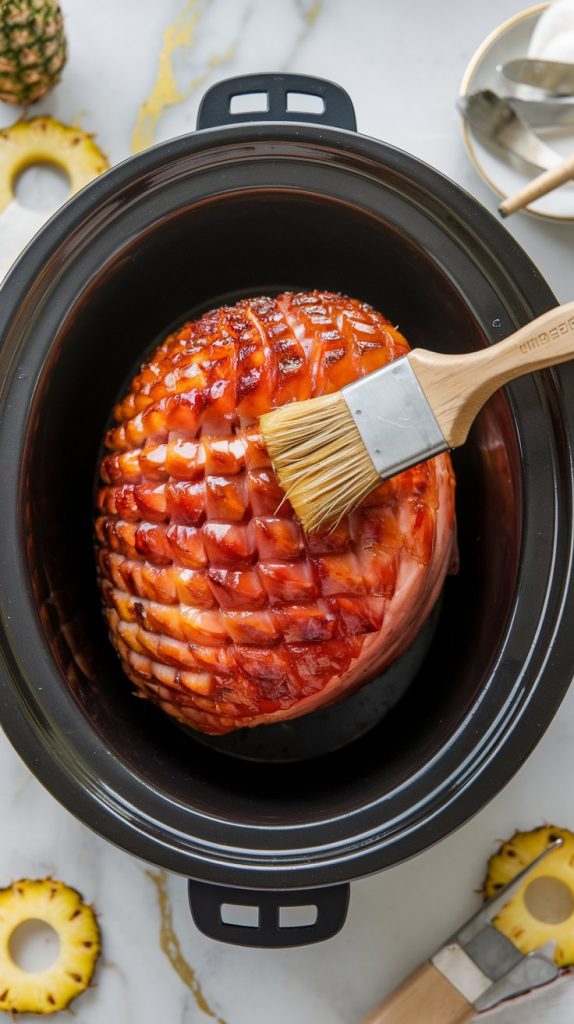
28	142
44	140
75	924
543	908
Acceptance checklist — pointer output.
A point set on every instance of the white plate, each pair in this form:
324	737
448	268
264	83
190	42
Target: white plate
508	42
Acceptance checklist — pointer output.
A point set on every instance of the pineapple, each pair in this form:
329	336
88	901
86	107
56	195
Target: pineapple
44	140
32	49
543	911
75	924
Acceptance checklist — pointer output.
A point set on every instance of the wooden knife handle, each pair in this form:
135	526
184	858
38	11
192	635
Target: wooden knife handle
426	997
539	186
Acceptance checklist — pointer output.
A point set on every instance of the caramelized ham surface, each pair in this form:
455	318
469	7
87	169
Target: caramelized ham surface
222	611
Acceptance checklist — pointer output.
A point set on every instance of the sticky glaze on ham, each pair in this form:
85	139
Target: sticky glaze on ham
222	611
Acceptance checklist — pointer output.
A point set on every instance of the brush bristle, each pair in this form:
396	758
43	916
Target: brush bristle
320	459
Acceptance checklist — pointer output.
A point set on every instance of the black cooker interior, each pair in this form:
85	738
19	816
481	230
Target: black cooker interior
228	247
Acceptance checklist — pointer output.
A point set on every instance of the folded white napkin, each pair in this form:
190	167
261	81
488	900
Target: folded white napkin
553	36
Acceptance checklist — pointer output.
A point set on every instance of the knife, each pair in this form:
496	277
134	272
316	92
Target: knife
553	76
476	969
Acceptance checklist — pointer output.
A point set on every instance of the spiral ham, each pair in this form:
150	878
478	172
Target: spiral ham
222	611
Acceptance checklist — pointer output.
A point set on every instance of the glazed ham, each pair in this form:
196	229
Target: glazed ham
222	611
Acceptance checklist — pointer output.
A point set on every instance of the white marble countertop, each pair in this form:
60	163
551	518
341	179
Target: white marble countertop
402	64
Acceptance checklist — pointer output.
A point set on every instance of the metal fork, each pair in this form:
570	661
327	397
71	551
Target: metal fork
496	121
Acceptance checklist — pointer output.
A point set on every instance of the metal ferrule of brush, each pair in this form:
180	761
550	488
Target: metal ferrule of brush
394	418
486	967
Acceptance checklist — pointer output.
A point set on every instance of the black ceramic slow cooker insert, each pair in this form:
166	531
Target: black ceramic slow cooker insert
244	208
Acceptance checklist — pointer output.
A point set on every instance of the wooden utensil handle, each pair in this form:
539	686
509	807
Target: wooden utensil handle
539	186
458	386
424	998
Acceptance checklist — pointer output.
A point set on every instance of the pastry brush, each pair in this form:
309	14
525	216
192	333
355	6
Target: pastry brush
330	452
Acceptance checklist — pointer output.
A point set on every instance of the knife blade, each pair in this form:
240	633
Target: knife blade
553	76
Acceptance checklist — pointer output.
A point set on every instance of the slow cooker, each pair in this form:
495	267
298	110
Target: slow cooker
253	204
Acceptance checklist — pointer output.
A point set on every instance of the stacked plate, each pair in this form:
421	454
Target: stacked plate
511	41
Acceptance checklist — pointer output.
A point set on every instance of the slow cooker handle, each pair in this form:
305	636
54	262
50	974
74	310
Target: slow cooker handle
215	107
215	910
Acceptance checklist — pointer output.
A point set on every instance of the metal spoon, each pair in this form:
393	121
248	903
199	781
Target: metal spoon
494	119
547	113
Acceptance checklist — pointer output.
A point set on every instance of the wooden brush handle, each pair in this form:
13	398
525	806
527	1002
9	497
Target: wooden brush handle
539	186
424	998
458	386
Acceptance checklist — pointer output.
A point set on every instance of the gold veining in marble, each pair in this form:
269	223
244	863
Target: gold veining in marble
165	90
311	15
171	945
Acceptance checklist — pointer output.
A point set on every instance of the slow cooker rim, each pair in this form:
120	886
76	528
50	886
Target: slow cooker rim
452	196
318	872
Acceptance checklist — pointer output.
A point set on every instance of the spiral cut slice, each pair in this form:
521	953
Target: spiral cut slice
75	924
45	140
543	908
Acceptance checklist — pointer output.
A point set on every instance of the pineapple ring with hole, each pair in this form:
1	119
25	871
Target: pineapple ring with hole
516	920
74	922
45	140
